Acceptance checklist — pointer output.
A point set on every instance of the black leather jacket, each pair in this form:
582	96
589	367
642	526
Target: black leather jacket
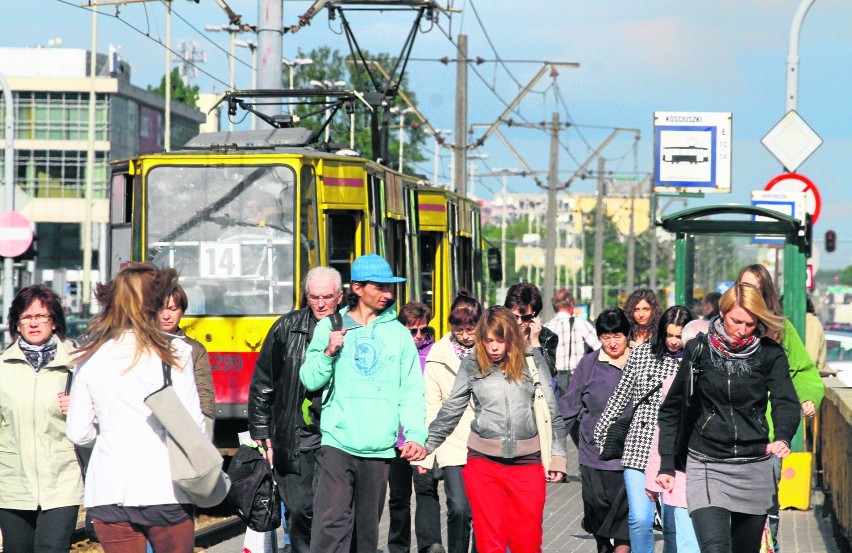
731	408
549	340
276	393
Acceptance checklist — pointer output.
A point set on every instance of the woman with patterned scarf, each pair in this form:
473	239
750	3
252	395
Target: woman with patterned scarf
41	487
442	366
730	485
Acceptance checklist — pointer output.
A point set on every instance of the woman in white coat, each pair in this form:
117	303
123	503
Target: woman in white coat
129	490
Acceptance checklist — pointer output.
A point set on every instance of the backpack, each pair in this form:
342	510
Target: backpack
254	492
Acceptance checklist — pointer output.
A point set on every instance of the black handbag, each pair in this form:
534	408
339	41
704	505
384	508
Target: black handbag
613	446
689	406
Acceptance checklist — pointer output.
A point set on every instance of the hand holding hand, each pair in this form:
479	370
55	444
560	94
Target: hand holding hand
412	451
778	448
64	402
555	476
335	342
665	481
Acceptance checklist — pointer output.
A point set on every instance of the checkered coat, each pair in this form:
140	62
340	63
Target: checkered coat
642	372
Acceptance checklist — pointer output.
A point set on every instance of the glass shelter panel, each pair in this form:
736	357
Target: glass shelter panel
228	230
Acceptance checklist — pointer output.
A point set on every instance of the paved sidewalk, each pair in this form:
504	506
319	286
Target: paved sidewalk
801	531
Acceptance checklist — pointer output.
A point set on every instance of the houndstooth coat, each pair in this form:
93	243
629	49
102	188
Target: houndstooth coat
642	372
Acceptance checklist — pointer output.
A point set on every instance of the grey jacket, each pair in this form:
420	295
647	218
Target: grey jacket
504	424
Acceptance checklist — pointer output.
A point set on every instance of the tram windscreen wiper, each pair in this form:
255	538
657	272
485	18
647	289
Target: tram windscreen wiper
206	213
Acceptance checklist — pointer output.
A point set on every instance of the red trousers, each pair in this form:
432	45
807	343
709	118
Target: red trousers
507	505
124	537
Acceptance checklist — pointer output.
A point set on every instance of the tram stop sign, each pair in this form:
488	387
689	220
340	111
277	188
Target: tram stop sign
16	234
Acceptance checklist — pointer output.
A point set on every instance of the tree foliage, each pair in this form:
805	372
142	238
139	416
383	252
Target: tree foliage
330	66
181	92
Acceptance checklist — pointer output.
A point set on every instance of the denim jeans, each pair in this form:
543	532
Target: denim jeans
399	505
458	512
640	518
774	517
686	540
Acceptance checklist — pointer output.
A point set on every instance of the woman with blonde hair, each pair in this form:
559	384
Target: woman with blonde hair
129	490
730	486
503	474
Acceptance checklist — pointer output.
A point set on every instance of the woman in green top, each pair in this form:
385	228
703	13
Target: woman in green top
803	370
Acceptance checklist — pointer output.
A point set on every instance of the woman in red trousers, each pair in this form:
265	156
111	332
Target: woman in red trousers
504	478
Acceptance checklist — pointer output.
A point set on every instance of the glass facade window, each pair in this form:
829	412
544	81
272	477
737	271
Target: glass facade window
58	173
58	116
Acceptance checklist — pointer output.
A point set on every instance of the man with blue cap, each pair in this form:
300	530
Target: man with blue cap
369	373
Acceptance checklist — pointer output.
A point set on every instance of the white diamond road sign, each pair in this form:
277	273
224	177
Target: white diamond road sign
791	141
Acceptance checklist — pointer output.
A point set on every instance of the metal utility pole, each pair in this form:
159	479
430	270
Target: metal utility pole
597	292
551	234
9	185
631	244
167	137
460	146
86	292
270	38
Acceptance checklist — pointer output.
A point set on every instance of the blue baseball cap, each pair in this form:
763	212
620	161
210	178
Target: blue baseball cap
372	268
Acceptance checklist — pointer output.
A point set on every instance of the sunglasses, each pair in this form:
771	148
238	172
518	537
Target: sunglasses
525	318
425	330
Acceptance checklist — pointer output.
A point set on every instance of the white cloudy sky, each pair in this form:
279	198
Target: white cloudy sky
635	58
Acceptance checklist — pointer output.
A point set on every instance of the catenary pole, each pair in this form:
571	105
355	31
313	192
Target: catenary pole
551	233
460	147
597	292
9	185
270	20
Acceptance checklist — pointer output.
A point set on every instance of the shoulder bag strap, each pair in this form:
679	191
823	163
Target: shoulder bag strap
533	370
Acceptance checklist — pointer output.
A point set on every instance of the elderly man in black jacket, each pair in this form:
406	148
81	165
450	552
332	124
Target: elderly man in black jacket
283	417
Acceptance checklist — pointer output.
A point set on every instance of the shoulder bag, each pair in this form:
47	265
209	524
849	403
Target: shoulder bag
541	411
196	464
613	446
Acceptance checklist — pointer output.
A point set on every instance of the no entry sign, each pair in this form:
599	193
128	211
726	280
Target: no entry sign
16	234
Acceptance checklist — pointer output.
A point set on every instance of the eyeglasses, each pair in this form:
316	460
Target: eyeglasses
36	318
424	330
324	299
525	318
463	331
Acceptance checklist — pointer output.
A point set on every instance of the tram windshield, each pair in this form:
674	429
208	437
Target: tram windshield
228	230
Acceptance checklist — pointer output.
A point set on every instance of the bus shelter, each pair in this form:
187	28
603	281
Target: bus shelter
741	220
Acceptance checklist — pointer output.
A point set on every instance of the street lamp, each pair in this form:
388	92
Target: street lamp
292	65
328	85
472	171
252	46
232	30
401	113
503	194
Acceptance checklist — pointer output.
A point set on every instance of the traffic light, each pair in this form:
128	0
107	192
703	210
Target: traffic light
830	241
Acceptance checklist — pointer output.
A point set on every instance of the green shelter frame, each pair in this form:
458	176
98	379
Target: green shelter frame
718	220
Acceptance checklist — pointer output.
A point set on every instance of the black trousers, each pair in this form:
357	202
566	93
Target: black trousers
563	380
721	531
39	531
350	493
297	493
399	505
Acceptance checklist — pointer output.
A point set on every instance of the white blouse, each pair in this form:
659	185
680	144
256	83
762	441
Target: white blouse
130	464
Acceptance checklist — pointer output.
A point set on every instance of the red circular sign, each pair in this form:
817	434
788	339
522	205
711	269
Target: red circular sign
794	182
16	234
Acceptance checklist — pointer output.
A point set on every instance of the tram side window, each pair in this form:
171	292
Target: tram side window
307	222
428	252
342	232
396	253
464	264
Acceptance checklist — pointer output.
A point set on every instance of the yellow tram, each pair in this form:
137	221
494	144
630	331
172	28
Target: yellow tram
243	216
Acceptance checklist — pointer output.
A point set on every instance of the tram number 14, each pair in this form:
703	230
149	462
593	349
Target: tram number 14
220	260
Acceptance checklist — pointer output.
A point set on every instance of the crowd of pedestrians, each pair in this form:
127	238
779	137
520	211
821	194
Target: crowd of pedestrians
354	402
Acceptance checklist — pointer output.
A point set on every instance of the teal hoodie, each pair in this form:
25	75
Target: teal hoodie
376	388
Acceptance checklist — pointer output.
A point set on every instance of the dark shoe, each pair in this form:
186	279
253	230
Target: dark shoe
436	548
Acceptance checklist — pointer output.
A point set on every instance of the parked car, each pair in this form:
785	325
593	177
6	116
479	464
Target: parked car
838	354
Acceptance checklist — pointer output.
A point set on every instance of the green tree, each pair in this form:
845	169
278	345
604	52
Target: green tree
332	66
181	92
